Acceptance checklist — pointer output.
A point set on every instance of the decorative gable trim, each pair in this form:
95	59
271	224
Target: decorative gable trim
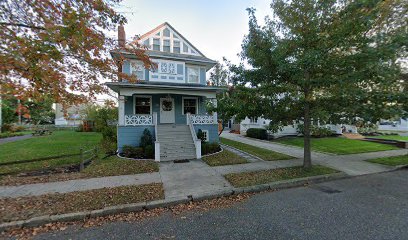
173	37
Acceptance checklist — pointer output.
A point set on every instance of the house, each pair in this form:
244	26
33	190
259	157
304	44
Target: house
289	130
169	101
72	118
400	125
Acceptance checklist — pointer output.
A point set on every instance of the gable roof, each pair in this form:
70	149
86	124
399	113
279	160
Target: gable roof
149	33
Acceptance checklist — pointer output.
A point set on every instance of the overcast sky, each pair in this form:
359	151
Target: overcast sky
215	27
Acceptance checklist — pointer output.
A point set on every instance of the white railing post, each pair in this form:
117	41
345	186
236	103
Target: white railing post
215	116
188	118
156	140
121	111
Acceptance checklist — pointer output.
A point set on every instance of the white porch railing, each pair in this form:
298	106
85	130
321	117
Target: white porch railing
138	120
197	142
203	119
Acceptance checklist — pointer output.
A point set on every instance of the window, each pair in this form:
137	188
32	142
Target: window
166	32
193	75
156	44
168	71
206	135
185	48
190	105
166	45
143	105
137	69
176	47
253	120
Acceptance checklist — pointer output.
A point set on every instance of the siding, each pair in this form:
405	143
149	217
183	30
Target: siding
212	131
130	135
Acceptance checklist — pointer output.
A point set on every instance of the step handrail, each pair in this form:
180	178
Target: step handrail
156	139
197	142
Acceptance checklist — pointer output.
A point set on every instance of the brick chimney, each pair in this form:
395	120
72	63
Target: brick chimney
121	36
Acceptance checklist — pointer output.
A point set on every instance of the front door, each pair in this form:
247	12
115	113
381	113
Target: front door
167	110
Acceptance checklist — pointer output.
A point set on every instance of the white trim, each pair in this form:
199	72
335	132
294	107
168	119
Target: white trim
159	74
198	92
182	104
134	104
207	135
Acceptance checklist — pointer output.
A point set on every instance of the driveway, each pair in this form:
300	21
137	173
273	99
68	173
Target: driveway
365	207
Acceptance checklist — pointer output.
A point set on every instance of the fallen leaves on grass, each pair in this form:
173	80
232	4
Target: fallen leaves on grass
27	207
222	202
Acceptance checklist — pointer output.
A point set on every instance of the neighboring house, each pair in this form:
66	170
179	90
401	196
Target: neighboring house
248	123
72	118
401	125
170	100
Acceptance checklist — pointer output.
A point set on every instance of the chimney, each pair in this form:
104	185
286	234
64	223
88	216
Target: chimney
121	36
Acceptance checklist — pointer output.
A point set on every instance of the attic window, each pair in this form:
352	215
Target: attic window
166	32
166	45
176	47
156	44
185	48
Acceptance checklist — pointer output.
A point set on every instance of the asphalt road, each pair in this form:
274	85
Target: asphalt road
367	207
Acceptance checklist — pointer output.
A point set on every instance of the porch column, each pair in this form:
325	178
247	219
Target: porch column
121	111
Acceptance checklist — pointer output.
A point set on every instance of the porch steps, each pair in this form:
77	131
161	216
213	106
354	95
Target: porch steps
176	142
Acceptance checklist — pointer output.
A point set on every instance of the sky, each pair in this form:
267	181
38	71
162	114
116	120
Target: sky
215	27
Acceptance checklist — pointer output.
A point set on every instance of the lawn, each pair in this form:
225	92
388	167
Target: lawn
273	175
50	204
111	166
391	161
59	143
224	158
262	153
338	145
392	137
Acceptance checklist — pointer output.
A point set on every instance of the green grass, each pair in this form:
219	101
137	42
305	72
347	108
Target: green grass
224	158
262	153
338	145
391	161
392	137
59	143
273	175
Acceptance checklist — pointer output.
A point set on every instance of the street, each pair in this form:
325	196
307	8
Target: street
368	207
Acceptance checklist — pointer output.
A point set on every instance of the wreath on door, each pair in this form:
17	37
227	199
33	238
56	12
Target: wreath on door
167	105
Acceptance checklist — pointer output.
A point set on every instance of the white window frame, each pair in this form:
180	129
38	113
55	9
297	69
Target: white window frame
182	104
142	96
207	135
188	75
138	64
158	73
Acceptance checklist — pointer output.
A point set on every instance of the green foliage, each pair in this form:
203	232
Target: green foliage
200	135
146	139
149	151
315	131
102	116
219	75
209	148
132	152
330	60
259	133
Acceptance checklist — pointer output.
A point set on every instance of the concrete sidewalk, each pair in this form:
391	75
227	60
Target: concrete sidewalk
351	164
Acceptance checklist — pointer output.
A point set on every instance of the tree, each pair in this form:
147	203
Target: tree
219	75
61	49
330	60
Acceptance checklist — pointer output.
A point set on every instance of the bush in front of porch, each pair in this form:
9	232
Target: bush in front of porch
145	149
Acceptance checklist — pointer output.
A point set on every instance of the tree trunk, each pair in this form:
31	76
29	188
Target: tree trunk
307	158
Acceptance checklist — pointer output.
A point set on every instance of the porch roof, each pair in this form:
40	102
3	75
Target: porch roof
125	88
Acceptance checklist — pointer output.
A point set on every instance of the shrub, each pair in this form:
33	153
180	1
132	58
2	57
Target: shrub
259	133
109	139
149	151
18	128
200	135
132	152
146	139
208	148
315	131
7	127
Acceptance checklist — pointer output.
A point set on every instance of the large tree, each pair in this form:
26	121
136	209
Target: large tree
60	49
219	75
332	60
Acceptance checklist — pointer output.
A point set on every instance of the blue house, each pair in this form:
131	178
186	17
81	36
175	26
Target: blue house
169	100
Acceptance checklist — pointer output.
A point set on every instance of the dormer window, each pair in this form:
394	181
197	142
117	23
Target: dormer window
156	44
166	45
176	47
185	48
166	32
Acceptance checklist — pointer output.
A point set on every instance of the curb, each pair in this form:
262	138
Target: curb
138	207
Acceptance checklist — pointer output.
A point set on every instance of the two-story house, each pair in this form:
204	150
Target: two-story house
169	100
